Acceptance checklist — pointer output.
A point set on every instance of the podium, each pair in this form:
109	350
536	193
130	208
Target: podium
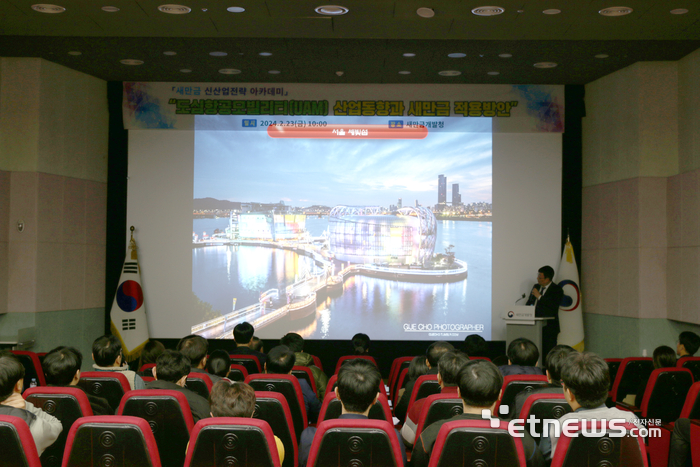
521	322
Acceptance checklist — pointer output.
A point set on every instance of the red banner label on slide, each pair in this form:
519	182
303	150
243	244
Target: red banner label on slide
355	132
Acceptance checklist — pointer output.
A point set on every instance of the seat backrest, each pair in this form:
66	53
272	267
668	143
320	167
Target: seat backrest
396	366
17	444
273	408
613	366
633	372
476	443
332	383
691	363
32	368
514	385
665	393
66	404
341	360
237	373
168	414
607	450
332	408
317	362
355	443
691	407
240	442
110	385
147	366
480	358
438	407
399	384
304	372
694	447
289	387
199	383
425	386
101	441
544	407
249	362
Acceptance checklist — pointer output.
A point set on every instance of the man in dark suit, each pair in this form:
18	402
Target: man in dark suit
546	297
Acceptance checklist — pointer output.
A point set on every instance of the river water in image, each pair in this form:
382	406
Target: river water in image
385	309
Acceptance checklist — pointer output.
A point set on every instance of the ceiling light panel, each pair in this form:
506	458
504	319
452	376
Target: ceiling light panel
48	8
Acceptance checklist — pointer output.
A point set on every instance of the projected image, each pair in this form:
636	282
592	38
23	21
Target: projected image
329	237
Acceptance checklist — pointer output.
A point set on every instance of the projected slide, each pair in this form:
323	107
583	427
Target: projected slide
340	225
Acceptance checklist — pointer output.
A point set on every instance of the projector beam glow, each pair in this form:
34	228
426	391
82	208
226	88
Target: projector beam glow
354	132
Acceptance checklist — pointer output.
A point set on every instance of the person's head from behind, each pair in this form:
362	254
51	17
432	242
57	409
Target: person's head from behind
232	400
664	357
435	351
173	367
62	366
150	353
586	378
219	363
475	346
11	376
107	351
280	360
554	361
523	352
294	341
449	366
358	386
360	344
417	367
256	344
688	344
243	333
195	348
545	274
479	384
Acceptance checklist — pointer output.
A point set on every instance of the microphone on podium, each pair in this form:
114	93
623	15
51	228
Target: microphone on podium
521	298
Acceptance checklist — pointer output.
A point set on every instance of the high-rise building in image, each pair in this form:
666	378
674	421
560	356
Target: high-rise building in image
456	197
442	189
400	203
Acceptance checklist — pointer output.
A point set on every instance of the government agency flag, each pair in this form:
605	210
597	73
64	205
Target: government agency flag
570	311
128	314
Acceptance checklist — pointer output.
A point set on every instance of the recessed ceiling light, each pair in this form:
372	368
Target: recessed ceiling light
409	54
274	72
616	11
405	72
551	11
131	61
48	8
679	11
488	10
449	73
265	54
493	73
110	9
545	65
185	70
174	9
505	55
457	55
235	9
170	52
602	56
424	12
218	54
75	53
229	71
331	10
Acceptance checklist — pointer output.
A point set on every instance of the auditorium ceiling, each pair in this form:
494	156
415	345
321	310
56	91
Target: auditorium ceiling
367	44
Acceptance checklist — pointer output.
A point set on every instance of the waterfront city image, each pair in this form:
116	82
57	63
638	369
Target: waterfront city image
331	237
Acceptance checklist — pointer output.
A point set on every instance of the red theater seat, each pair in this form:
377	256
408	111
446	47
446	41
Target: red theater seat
32	368
199	383
425	386
514	385
289	387
396	367
273	408
664	395
250	362
544	407
632	373
147	366
613	366
317	362
237	373
612	451
480	358
399	384
17	446
332	408
352	357
304	372
110	385
691	363
438	407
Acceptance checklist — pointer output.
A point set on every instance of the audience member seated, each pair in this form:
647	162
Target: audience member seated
475	346
417	368
360	344
357	390
62	368
257	345
280	361
435	351
295	342
195	348
586	381
688	344
218	364
500	361
236	400
663	357
107	355
171	372
449	367
150	353
679	449
553	364
243	336
479	388
44	428
522	358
